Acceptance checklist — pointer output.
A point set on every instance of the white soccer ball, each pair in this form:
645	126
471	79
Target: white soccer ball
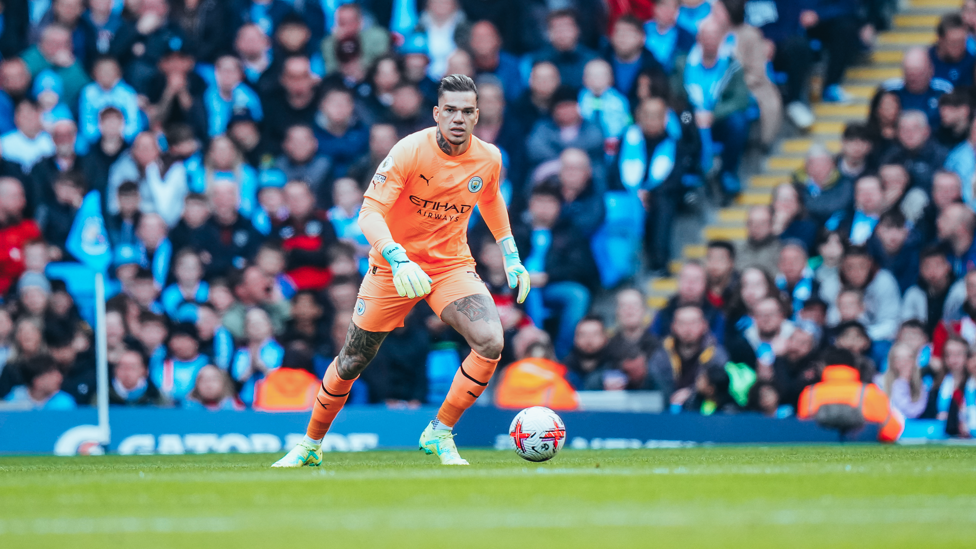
537	433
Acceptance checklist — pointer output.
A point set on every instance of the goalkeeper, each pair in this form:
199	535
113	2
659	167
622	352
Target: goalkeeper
415	215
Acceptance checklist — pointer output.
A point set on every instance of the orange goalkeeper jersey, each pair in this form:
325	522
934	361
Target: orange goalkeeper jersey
426	197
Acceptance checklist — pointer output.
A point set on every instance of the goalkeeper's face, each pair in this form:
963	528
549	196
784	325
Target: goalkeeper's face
456	114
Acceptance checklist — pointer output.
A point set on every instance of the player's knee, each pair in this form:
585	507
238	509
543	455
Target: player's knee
350	365
489	343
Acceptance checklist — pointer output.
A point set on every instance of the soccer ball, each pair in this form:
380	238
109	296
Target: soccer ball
538	433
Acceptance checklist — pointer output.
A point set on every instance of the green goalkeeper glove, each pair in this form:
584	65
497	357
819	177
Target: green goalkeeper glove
410	280
517	275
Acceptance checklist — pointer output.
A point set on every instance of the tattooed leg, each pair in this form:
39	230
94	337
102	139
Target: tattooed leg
476	318
359	349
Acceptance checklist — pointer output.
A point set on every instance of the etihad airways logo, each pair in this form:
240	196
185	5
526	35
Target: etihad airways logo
435	209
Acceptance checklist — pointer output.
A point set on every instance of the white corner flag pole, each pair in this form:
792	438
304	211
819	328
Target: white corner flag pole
101	359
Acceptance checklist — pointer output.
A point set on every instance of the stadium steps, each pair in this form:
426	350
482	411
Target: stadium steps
914	26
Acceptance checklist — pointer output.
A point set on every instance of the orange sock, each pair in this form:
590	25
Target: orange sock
332	396
469	382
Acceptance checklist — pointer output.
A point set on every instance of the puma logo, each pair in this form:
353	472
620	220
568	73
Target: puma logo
426	180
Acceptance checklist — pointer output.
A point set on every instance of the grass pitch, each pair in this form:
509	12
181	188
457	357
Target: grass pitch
795	497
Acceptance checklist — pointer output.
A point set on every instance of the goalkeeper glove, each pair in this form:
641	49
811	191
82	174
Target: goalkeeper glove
517	275
410	280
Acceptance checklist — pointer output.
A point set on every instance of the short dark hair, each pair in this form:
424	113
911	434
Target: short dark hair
913	323
839	357
857	130
893	218
948	22
632	20
722	245
858	251
37	366
547	189
457	83
737	11
565	12
956	98
850	325
592	318
933	250
128	187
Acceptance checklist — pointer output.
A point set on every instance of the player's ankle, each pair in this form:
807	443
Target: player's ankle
436	425
307	441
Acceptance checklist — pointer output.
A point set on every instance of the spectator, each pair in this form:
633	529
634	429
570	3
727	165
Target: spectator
882	300
720	272
750	49
761	247
383	77
558	259
790	219
174	90
348	23
711	395
883	118
959	313
918	90
55	218
856	150
108	90
416	60
204	24
212	390
714	84
488	57
946	402
951	61
382	137
590	354
235	240
765	399
105	150
228	95
852	336
535	102
903	382
306	235
53	52
42	388
341	137
28	143
796	367
895	247
946	190
955	228
446	28
795	278
601	104
261	355
564	50
189	287
692	289
215	340
632	323
911	202
306	322
687	350
825	192
254	289
15	232
565	129
76	365
407	112
783	24
764	340
9	372
926	301
858	227
192	230
296	105
665	39
224	162
582	200
64	134
955	119
121	227
498	127
175	373
915	150
962	162
130	384
162	182
301	161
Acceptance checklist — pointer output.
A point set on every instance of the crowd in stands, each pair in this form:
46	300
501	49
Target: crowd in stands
231	142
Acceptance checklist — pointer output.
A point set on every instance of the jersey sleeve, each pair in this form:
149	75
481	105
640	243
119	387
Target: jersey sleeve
384	190
492	205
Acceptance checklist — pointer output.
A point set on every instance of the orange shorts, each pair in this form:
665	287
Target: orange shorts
381	309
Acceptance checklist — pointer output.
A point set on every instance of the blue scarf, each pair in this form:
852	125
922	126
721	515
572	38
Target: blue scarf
636	172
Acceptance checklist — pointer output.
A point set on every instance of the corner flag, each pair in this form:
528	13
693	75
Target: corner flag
88	240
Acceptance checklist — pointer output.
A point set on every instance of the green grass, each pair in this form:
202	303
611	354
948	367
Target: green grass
778	497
